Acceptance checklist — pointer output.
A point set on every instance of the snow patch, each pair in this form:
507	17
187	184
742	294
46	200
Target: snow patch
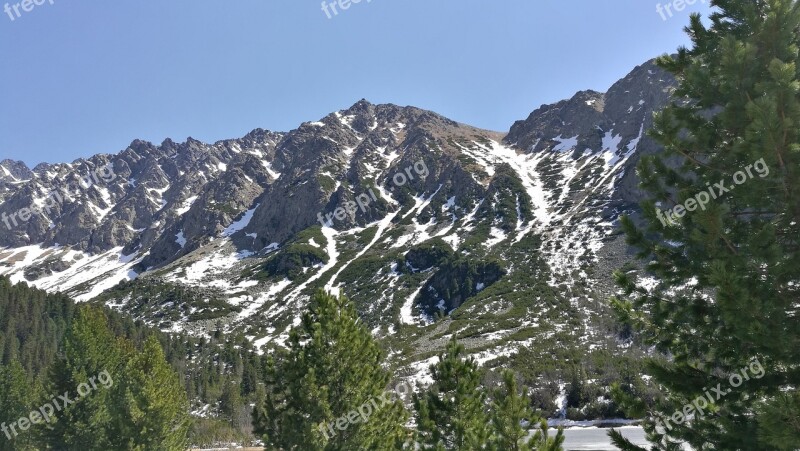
241	223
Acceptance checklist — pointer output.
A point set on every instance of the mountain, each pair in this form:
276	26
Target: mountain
431	226
12	173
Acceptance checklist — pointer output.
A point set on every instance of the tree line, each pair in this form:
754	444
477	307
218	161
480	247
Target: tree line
304	397
316	390
217	375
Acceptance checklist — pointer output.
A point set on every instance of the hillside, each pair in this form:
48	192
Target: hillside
432	227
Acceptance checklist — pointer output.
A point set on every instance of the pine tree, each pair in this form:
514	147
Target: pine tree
90	349
121	398
333	369
149	406
18	396
451	414
231	405
542	441
33	330
727	261
779	422
510	410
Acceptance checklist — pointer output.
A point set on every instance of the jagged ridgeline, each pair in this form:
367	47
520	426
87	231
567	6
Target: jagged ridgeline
430	226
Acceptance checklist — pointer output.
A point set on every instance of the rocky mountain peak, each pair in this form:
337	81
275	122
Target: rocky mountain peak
14	171
358	201
589	115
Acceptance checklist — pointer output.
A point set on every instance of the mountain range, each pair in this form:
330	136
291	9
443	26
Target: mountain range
432	227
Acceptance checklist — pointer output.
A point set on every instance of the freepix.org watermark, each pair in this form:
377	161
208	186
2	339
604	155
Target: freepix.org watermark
670	217
698	406
418	169
54	198
13	10
47	412
364	411
344	5
665	11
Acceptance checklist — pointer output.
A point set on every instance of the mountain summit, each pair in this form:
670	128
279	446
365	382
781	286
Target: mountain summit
412	215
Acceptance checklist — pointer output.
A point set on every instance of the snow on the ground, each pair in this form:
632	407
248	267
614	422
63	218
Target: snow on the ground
407	310
610	146
450	204
241	223
497	236
502	349
525	167
269	295
211	269
108	280
330	235
484	357
158	199
180	239
383	224
422	372
483	158
565	144
108	268
270	170
561	400
421	202
649	283
187	204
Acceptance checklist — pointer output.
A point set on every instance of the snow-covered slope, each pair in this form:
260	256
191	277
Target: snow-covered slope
432	227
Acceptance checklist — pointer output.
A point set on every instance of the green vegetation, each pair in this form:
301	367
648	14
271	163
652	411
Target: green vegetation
329	392
165	304
102	393
451	414
424	256
507	189
332	368
510	410
290	261
47	343
727	272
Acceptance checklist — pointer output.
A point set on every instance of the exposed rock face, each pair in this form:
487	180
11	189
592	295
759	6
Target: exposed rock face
522	222
596	120
12	174
14	171
132	198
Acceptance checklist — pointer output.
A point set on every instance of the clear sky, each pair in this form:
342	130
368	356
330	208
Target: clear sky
81	77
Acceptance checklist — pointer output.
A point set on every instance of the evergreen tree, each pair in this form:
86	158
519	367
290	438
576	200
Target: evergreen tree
510	410
232	407
149	410
542	441
451	414
18	396
779	422
89	350
727	261
33	330
333	367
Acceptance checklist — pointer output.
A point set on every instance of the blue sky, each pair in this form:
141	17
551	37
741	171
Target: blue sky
81	77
